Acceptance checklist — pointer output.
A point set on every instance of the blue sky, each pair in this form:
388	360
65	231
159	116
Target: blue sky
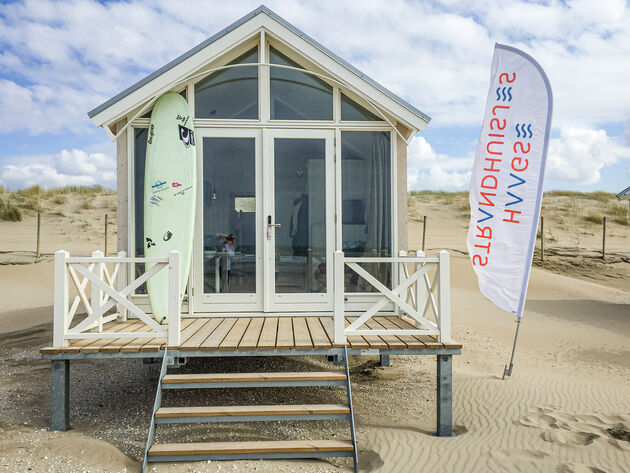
59	60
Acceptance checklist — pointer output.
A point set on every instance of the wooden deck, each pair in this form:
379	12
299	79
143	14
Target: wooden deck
253	333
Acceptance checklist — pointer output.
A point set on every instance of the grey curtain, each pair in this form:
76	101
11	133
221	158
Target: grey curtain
378	210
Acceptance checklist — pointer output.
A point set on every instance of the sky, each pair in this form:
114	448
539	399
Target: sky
60	59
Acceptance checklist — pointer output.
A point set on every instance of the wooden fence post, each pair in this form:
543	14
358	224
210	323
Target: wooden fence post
105	250
424	230
604	240
37	251
542	239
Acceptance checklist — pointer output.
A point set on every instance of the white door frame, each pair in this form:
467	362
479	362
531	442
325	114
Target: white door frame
222	302
297	302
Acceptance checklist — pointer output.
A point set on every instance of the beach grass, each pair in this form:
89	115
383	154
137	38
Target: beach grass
9	211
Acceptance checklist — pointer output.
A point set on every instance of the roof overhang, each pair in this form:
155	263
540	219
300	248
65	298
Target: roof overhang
176	72
624	194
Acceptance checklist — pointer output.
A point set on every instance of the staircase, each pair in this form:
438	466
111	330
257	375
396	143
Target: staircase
271	449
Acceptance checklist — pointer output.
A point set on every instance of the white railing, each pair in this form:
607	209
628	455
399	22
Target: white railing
414	297
109	291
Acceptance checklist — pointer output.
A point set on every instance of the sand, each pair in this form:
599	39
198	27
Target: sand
565	409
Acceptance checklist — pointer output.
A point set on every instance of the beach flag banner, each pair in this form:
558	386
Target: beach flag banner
507	177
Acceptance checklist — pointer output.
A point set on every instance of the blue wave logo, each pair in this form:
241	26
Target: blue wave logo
504	93
524	130
158	184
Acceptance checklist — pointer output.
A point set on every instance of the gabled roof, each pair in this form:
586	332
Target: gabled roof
414	117
624	194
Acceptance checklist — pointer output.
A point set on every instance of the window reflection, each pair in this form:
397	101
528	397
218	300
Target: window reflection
300	209
230	93
229	215
296	95
352	111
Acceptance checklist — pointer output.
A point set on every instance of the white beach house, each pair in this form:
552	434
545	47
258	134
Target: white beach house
302	162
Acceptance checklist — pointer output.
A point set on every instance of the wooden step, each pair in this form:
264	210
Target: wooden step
278	410
248	448
218	378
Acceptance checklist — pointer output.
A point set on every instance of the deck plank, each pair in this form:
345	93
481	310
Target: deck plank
234	336
373	341
428	340
328	323
301	334
251	447
318	334
136	344
392	341
253	411
216	337
158	343
356	341
113	344
252	334
411	341
254	377
190	331
76	345
267	340
285	333
194	342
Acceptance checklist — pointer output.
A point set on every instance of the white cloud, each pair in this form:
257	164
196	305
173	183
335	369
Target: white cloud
72	55
427	169
74	167
580	154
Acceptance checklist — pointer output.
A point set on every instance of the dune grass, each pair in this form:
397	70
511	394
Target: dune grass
600	196
31	191
82	190
9	211
59	199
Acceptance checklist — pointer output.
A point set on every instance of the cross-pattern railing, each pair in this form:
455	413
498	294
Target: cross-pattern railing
415	296
110	296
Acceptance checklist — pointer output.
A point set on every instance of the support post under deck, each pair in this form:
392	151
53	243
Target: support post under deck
60	395
444	395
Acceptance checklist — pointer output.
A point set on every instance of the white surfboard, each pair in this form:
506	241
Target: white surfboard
169	193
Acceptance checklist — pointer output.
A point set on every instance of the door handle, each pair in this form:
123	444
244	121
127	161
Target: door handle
270	226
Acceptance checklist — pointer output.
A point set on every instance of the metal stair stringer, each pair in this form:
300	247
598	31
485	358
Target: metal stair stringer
156	405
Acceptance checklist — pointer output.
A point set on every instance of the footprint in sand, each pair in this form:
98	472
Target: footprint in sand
563	437
578	429
577	468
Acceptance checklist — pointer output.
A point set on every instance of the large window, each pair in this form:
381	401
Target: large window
352	111
230	93
296	95
366	203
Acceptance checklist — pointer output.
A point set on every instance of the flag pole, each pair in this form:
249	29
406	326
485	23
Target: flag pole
507	371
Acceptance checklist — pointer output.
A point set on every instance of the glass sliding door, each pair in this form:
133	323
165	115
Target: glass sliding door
228	253
299	227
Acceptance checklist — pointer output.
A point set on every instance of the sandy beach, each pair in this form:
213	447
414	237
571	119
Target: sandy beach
565	409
